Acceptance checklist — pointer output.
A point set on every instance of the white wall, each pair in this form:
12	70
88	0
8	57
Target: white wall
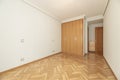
41	34
112	36
92	30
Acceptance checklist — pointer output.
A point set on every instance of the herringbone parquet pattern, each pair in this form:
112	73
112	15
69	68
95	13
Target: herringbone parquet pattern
63	67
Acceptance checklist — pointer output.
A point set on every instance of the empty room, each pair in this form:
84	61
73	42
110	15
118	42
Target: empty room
59	39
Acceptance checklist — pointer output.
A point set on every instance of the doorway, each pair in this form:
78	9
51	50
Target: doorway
93	47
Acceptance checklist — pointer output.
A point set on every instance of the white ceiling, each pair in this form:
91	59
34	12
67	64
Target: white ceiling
63	9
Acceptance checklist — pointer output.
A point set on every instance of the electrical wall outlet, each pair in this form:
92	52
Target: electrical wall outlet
22	40
53	40
22	59
53	50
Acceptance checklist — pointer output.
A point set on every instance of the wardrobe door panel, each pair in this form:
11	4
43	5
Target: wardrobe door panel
69	24
67	38
64	37
78	37
72	37
79	34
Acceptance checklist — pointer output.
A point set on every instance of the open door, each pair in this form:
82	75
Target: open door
99	40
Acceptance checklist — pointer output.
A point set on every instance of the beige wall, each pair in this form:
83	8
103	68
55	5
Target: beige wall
112	36
18	21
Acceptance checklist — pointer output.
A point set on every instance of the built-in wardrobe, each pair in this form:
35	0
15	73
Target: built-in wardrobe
72	37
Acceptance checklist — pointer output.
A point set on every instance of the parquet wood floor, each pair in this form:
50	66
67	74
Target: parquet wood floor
63	67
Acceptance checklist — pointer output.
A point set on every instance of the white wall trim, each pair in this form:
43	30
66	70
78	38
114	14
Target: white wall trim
95	18
74	18
41	10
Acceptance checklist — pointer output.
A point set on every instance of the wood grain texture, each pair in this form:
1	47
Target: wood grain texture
72	37
99	40
63	67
